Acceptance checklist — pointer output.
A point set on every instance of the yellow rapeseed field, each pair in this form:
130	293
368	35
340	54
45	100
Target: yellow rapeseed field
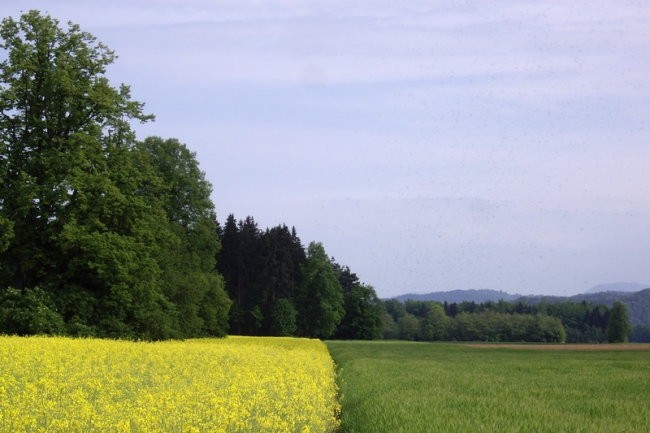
236	384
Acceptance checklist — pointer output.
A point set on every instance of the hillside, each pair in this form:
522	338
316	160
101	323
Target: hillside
618	287
458	296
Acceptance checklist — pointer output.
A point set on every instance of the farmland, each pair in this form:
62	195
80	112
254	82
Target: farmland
237	384
246	384
425	387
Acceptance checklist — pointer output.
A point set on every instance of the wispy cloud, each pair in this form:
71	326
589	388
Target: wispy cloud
429	144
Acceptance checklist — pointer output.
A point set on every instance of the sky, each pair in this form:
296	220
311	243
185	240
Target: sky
429	145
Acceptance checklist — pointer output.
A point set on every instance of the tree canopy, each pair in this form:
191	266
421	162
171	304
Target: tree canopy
618	328
95	226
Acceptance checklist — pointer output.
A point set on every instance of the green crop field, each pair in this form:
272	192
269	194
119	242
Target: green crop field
425	387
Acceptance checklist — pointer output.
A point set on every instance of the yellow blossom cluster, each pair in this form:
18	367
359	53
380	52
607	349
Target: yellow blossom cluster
236	384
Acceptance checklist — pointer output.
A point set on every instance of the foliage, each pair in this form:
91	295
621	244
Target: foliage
637	303
284	317
29	311
408	326
235	384
434	325
278	288
497	321
618	328
363	309
260	268
320	301
435	387
97	225
389	328
188	263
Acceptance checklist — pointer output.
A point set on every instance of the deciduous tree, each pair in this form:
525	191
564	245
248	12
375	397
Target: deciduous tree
618	327
87	217
320	303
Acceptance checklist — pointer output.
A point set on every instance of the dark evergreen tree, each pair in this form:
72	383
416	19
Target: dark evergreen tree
250	261
228	264
281	275
260	269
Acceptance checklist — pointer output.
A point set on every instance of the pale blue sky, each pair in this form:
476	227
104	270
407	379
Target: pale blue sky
430	145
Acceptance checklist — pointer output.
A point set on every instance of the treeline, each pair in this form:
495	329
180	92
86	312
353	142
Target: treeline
432	321
279	288
105	235
505	321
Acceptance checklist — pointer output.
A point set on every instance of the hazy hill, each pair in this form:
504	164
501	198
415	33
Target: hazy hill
618	287
458	296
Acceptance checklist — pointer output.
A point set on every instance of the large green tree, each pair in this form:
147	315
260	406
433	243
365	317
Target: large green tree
65	135
84	213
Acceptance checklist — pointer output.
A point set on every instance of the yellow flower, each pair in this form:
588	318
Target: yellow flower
236	384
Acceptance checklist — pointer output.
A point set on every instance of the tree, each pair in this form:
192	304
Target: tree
363	309
395	308
66	189
409	327
28	312
320	302
362	319
389	328
88	217
618	328
260	268
282	257
188	263
434	323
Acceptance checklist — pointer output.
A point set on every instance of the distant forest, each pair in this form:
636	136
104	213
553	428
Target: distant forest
105	235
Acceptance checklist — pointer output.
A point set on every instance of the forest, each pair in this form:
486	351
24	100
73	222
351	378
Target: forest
102	234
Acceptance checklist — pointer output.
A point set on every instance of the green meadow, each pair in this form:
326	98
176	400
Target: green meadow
427	387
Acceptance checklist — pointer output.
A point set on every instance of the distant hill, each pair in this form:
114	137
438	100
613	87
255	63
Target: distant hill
638	303
618	287
458	296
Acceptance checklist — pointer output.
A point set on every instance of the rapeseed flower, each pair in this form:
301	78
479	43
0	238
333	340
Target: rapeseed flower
236	384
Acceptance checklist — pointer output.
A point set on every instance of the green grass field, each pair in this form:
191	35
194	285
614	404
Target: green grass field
424	387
